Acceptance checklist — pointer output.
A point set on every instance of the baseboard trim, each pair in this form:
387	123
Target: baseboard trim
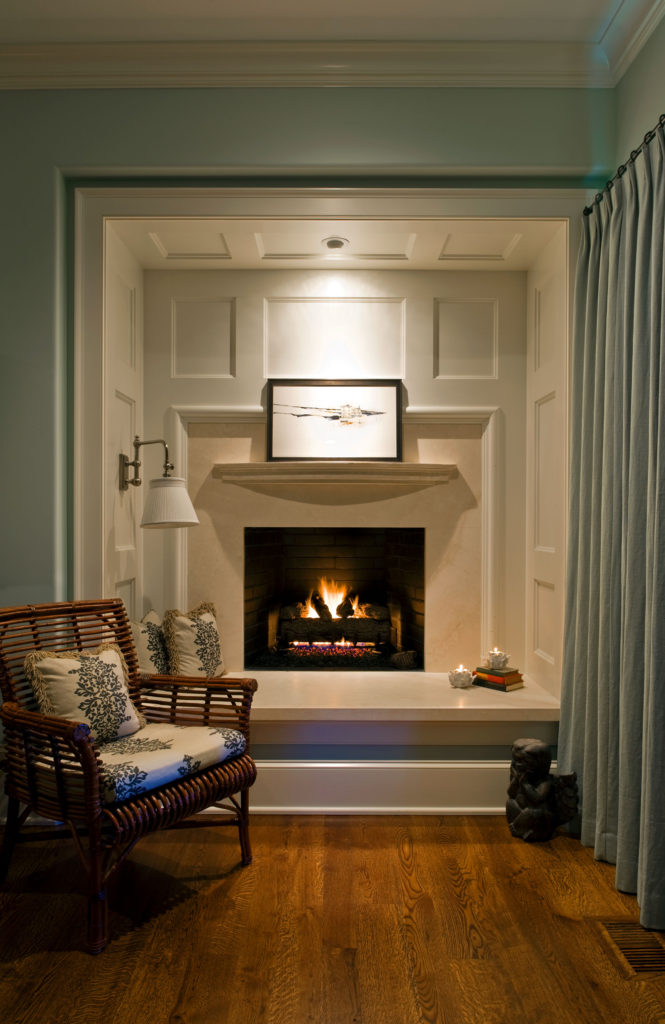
374	787
380	787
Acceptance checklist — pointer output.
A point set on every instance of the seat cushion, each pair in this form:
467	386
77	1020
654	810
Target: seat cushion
159	753
193	642
89	686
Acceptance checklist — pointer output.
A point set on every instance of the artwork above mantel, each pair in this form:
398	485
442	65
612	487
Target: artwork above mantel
411	475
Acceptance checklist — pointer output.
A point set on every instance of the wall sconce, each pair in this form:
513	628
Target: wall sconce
168	502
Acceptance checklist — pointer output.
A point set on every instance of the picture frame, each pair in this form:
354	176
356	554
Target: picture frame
334	421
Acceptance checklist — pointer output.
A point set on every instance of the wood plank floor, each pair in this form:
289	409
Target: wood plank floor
340	920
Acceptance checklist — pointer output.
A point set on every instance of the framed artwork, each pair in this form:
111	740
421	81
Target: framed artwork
343	420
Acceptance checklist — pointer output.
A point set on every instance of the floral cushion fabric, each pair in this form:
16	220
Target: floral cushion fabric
85	686
150	645
192	642
159	753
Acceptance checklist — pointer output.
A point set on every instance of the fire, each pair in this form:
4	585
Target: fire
332	594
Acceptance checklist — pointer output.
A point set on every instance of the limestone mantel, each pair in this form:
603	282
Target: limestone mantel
412	475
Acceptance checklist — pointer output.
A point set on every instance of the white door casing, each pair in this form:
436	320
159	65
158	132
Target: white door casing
122	420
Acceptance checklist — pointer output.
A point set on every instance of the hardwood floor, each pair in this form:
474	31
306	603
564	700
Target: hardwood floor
340	920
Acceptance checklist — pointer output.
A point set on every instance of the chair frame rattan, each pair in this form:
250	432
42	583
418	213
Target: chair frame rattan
51	764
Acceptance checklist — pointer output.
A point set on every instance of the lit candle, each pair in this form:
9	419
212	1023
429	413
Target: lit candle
497	658
460	677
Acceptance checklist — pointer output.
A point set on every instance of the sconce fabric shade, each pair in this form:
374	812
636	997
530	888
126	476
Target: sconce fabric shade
168	504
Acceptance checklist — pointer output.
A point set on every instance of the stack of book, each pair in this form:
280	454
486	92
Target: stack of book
498	678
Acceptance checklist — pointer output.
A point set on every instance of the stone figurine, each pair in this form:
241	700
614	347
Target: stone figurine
538	802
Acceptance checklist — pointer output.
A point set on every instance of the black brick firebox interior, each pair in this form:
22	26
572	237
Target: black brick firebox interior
383	566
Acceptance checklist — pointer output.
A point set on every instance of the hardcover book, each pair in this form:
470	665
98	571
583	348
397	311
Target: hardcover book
513	677
478	681
500	672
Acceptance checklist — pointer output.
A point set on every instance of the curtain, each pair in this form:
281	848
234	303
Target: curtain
612	730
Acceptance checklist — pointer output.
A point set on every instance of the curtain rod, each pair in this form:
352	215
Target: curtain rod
634	153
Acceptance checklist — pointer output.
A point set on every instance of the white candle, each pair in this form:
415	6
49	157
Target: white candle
460	677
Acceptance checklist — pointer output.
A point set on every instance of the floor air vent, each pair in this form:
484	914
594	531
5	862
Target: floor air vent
641	950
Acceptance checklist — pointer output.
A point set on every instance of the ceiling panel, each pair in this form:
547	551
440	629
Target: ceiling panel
244	244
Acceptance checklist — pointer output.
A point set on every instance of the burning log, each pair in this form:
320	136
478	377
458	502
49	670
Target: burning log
376	611
351	630
345	609
292	611
320	607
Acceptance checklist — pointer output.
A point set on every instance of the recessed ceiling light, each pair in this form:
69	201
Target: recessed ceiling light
334	243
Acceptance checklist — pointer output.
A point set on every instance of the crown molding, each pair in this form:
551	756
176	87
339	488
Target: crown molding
627	34
303	64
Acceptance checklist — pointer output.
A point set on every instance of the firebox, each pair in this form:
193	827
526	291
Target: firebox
334	598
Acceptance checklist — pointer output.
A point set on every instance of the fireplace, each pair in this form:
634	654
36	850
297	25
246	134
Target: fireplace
334	598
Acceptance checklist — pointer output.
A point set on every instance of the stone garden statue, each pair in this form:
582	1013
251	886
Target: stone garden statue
538	802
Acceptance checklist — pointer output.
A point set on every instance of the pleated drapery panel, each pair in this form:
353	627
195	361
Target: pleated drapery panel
612	730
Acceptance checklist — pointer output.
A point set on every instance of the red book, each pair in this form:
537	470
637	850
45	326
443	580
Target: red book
505	687
504	677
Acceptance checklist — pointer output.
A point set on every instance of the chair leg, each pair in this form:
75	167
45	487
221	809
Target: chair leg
97	905
10	836
243	829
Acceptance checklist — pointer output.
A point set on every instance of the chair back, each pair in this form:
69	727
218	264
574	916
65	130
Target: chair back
71	626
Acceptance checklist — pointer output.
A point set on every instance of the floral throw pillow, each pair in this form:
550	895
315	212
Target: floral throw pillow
85	686
192	642
150	646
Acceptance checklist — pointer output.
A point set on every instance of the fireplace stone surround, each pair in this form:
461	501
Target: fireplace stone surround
441	488
423	745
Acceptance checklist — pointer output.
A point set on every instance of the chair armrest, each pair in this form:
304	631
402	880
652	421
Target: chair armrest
191	700
51	764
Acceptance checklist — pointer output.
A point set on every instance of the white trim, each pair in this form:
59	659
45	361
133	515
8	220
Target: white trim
400	474
380	787
89	355
487	418
627	33
95	205
305	64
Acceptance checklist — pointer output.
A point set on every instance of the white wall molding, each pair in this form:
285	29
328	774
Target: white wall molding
95	205
380	787
627	33
304	64
179	417
487	418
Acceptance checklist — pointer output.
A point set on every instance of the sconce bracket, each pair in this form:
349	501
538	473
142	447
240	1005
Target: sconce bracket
124	463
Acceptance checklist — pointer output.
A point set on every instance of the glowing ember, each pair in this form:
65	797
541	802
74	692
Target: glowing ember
332	650
332	594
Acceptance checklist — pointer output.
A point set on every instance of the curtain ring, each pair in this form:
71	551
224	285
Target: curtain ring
621	171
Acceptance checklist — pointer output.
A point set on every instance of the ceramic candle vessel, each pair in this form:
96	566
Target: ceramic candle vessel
497	658
460	677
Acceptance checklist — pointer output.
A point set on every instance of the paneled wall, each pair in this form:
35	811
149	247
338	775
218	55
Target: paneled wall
458	341
122	561
546	461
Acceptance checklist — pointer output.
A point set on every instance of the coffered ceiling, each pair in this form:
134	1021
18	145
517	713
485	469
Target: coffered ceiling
368	244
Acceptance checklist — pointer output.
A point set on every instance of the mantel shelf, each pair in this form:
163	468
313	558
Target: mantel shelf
397	474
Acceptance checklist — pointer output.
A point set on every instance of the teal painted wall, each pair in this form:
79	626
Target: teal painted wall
640	95
435	136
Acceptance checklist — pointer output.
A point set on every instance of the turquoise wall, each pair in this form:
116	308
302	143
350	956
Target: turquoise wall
523	137
640	95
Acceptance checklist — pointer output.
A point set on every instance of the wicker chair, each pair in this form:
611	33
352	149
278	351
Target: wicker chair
53	766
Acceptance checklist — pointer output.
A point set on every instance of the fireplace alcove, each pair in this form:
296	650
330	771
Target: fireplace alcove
383	567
